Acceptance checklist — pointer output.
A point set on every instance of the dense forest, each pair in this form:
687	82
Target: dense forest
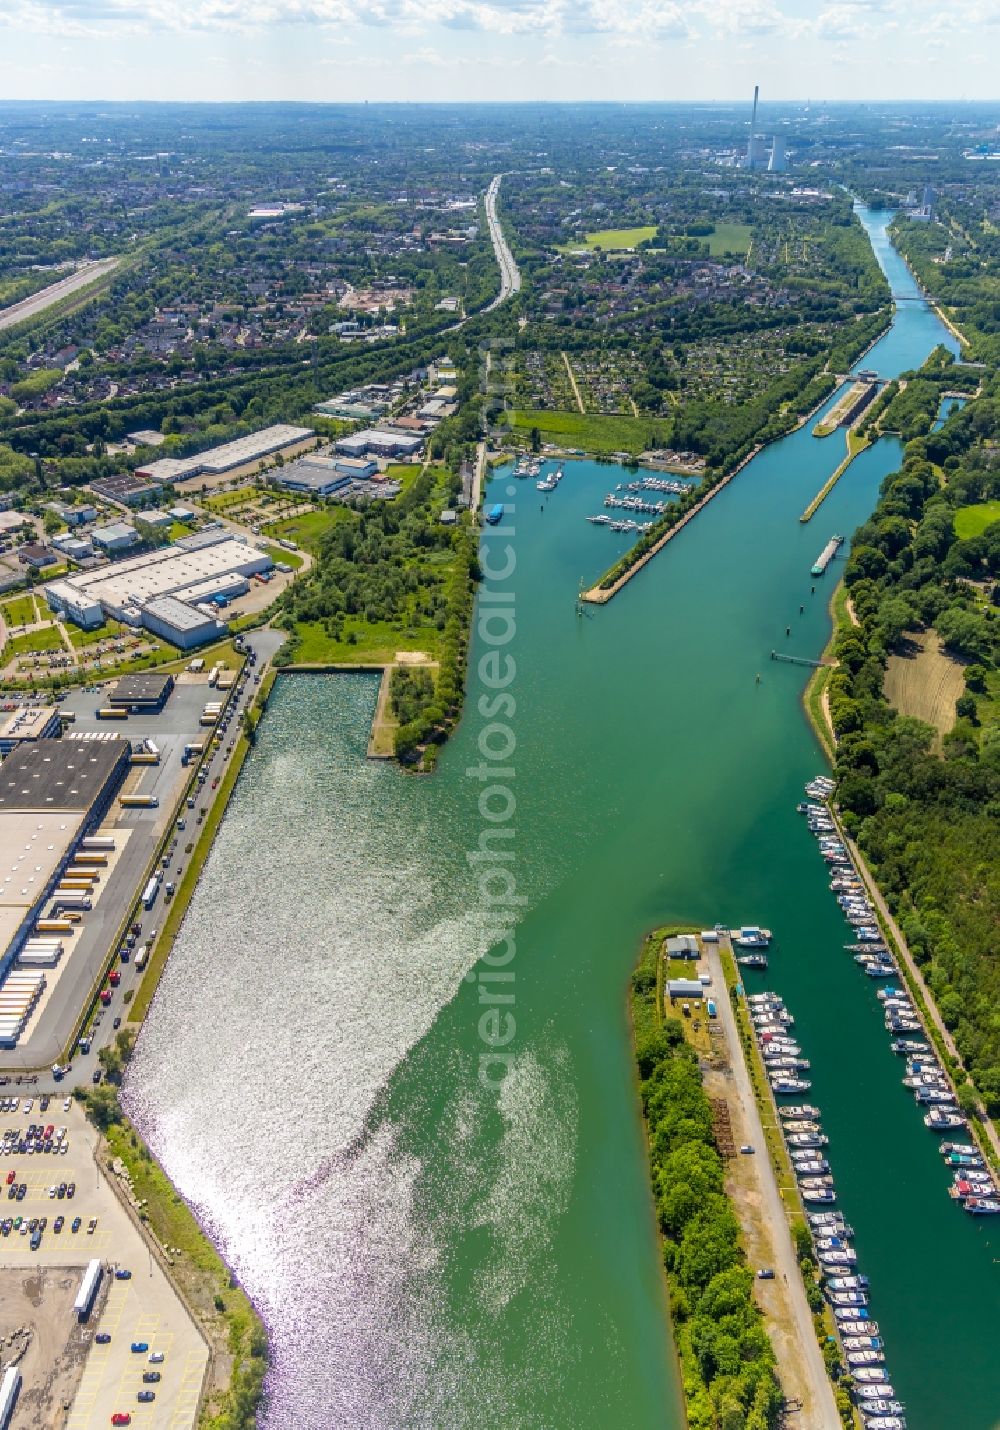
927	812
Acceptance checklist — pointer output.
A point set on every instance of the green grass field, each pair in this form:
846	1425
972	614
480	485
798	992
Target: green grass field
109	631
973	520
729	238
610	239
376	643
307	530
593	433
221	501
290	558
33	643
20	611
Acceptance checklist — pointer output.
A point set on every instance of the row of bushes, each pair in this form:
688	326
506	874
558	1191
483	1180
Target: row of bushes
728	1363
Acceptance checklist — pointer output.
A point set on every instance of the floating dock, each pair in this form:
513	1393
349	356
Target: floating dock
827	554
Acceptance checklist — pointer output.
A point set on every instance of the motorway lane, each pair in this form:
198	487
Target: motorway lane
510	274
36	303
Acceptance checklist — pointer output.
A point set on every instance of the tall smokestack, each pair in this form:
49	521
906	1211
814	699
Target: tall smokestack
753	127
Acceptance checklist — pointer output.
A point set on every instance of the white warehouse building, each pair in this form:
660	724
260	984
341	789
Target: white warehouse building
158	585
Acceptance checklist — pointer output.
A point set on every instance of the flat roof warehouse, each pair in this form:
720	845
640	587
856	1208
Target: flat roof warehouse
229	455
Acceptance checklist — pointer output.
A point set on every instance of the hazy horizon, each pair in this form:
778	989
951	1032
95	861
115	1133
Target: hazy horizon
475	50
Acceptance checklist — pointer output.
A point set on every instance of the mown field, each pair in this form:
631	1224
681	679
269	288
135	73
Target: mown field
926	683
618	238
592	432
729	238
973	520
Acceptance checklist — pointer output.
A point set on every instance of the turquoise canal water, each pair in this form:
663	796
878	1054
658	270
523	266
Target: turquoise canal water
429	1252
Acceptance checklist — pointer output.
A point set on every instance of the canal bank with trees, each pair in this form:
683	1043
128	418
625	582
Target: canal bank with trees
504	1245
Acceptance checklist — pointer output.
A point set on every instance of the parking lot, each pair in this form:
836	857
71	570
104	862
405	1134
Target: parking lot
142	1309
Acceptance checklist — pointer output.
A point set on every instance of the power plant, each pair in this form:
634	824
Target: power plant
761	153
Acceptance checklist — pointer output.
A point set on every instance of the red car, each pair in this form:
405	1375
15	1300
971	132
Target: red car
105	996
48	1131
121	1417
114	978
10	1177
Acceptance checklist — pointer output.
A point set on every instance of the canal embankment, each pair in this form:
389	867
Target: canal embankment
856	444
641	555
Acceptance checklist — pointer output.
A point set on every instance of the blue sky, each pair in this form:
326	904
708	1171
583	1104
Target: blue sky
497	49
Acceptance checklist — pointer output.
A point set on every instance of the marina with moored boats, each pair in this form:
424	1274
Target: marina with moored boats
973	1186
862	1350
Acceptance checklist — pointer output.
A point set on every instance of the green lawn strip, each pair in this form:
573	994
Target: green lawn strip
593	433
179	903
973	520
812	696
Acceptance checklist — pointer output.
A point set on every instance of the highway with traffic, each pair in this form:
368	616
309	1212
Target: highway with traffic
510	274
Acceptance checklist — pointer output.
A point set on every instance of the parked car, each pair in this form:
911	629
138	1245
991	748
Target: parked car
121	1417
123	1274
76	1224
145	1396
103	1338
140	1347
150	1377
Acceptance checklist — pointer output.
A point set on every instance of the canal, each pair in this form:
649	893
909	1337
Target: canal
425	1251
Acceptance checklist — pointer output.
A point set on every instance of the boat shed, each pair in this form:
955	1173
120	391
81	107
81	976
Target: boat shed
685	945
684	988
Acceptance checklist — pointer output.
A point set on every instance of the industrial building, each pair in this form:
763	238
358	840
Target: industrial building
124	489
228	456
52	794
31	722
375	443
316	476
144	693
209	568
181	624
158	520
114	539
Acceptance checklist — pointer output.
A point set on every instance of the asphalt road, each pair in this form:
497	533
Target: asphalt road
822	1408
510	274
37	303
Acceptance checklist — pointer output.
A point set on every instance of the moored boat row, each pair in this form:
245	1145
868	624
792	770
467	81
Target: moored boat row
845	1287
973	1186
